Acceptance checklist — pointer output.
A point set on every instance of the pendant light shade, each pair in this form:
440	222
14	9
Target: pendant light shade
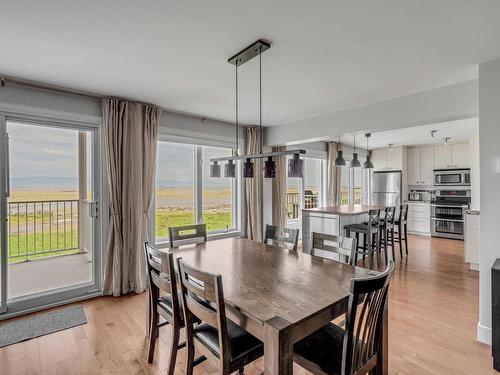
215	169
248	171
368	162
340	161
355	161
230	169
269	168
296	167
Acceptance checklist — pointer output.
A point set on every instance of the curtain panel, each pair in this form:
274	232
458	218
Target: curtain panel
130	138
253	187
279	189
334	176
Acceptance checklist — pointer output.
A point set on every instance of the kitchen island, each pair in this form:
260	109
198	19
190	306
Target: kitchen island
331	220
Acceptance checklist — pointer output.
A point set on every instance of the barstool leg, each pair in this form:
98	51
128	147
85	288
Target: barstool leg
368	238
386	248
393	245
406	238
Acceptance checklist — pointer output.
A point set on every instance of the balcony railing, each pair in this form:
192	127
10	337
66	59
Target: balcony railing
293	203
42	228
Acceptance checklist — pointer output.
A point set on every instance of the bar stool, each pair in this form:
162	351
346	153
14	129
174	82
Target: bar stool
387	232
370	232
402	228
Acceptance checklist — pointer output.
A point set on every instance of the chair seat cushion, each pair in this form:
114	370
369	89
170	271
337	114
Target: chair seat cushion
323	348
357	227
165	303
241	343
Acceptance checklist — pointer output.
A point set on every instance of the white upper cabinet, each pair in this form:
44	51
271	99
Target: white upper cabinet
379	159
384	160
413	175
452	156
427	165
442	157
461	155
420	166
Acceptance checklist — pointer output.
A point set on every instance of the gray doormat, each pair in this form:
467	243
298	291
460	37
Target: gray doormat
40	325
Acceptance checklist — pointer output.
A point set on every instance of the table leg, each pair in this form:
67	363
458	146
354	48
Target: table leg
278	347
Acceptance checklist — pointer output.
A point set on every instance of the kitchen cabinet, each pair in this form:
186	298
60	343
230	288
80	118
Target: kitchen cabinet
461	155
419	218
387	160
420	166
452	156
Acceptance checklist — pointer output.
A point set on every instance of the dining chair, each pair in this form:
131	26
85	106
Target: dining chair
353	350
282	237
163	301
185	234
387	232
216	336
401	224
334	247
370	232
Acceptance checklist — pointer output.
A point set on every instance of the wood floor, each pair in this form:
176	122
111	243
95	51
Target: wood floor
432	327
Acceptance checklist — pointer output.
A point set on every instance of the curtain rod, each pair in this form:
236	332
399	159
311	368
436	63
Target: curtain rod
60	89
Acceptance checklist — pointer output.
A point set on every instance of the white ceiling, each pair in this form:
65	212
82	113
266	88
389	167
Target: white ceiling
458	131
326	55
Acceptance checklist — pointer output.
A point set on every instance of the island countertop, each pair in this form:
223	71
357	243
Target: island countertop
344	210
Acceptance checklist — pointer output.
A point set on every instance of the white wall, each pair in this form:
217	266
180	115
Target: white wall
489	144
443	104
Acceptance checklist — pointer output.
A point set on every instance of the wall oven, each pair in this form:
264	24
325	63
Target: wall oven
451	177
448	213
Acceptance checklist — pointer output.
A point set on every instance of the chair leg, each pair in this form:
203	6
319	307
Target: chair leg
365	248
386	248
174	347
241	371
406	239
393	245
379	256
190	357
153	333
369	249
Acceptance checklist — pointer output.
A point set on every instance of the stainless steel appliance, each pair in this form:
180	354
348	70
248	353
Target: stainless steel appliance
451	177
448	213
386	188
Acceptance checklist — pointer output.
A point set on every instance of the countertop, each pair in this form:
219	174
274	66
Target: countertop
357	209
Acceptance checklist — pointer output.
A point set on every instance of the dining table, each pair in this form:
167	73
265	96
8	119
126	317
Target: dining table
280	296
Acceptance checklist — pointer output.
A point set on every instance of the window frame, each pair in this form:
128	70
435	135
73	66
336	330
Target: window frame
302	187
237	191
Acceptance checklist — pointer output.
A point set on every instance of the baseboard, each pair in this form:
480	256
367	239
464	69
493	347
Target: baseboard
483	334
426	234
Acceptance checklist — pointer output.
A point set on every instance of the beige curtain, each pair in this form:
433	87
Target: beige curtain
334	175
253	187
279	189
130	136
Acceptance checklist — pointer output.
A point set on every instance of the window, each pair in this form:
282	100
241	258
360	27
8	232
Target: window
175	189
306	192
185	194
217	193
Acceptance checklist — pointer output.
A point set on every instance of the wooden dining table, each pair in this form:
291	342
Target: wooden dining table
278	295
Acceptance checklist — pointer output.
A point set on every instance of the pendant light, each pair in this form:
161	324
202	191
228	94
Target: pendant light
269	168
296	167
215	169
368	162
355	162
248	168
340	161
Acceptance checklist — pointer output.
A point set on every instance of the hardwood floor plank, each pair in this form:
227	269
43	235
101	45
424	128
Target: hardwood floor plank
433	305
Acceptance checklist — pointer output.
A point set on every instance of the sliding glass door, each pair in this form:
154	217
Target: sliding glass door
49	213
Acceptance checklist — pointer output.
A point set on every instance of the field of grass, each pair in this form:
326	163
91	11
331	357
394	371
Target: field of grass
174	207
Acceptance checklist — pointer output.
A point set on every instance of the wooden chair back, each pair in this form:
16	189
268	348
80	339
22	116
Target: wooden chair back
389	215
203	298
161	277
373	221
341	246
187	234
282	237
403	214
362	338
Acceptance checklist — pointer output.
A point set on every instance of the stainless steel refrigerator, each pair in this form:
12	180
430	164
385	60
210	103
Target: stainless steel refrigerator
386	188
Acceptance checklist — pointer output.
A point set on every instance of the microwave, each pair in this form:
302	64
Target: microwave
452	177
